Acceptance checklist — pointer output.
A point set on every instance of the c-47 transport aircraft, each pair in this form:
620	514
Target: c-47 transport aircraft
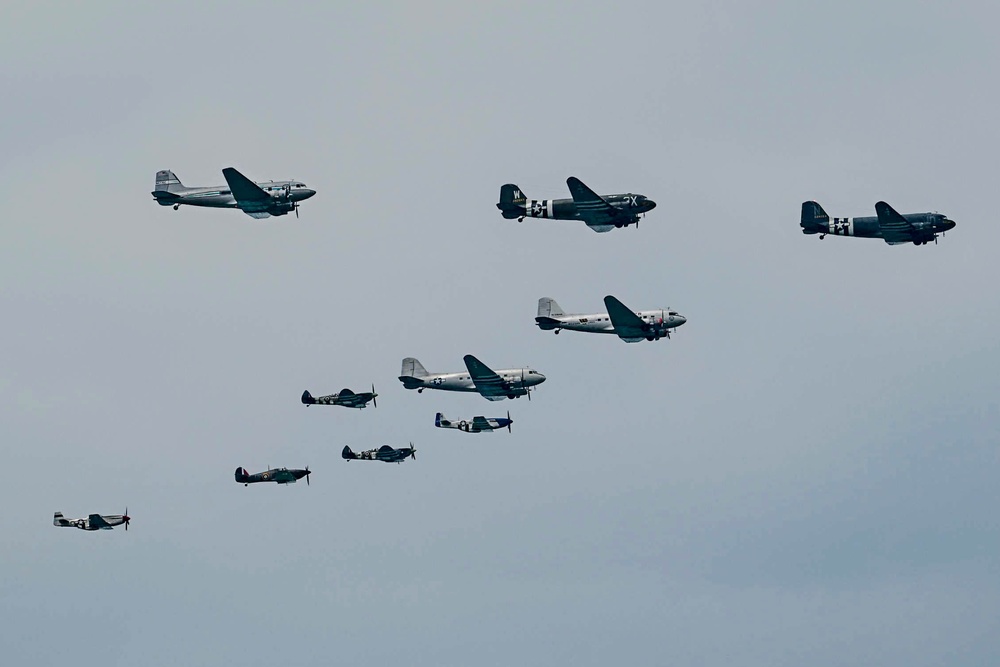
491	385
93	522
602	213
888	225
258	200
631	326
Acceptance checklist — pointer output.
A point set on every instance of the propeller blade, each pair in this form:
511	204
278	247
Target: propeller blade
296	211
374	395
509	422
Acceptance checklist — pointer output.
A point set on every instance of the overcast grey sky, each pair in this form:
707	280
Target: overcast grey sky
805	474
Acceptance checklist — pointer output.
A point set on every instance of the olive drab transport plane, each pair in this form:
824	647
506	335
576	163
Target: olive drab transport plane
93	522
384	453
888	225
276	475
602	213
258	200
491	385
631	326
474	425
344	397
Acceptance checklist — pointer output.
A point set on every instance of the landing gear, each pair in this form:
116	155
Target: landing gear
822	236
649	338
520	218
511	396
176	206
618	225
557	331
420	391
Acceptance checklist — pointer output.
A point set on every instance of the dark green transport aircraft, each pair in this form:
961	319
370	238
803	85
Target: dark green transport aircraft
888	225
602	213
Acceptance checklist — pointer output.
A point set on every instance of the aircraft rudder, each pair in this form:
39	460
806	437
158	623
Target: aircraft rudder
547	307
307	398
512	201
167	181
346	452
814	219
413	368
242	475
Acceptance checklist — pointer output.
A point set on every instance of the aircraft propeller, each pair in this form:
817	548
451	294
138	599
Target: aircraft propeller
374	402
126	518
509	422
413	452
527	389
307	475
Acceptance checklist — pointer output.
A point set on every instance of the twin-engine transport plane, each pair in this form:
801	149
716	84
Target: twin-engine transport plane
631	326
258	200
277	475
602	213
93	522
888	225
344	397
491	385
474	425
384	453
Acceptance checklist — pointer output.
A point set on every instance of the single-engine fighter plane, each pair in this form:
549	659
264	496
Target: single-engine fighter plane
258	200
474	425
888	225
631	326
277	475
93	522
602	213
491	385
344	397
384	453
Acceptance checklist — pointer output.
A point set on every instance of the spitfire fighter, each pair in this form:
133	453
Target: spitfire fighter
344	397
93	522
888	225
491	385
384	453
602	213
631	326
276	475
258	200
474	425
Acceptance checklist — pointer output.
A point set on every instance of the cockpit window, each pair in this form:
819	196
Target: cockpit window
672	312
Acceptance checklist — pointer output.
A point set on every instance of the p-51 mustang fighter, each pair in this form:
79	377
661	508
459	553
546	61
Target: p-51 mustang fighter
888	225
475	425
93	522
277	475
602	213
344	397
631	326
258	200
384	453
491	385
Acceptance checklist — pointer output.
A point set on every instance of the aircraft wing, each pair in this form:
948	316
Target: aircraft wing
243	189
97	521
481	423
490	385
628	325
592	208
895	228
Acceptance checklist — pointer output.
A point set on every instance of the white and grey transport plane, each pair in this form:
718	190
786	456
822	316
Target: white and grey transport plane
93	522
631	326
258	200
491	385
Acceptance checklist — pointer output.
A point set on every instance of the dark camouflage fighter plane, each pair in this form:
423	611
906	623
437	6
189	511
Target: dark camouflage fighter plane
383	453
602	213
276	475
344	397
888	225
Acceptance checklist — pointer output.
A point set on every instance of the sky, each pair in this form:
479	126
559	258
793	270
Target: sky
805	474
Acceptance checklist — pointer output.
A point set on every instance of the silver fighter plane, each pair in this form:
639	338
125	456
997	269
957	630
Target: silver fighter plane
491	385
93	522
476	424
631	326
258	200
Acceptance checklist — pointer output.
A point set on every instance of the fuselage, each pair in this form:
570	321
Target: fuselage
926	225
221	196
631	206
516	377
601	322
85	524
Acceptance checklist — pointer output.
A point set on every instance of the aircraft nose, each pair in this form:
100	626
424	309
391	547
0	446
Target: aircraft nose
681	320
541	378
650	204
307	193
949	224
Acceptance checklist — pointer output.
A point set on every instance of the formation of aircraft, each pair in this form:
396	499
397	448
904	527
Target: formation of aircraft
888	225
276	475
491	385
474	425
258	200
631	326
602	213
344	397
93	522
384	453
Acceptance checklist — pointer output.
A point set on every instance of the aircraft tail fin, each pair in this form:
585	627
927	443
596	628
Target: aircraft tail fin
440	420
242	475
549	308
167	181
347	453
413	368
814	219
307	398
512	201
57	518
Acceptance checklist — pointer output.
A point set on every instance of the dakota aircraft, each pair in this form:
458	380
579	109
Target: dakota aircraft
258	200
491	385
888	225
93	522
475	425
602	213
344	397
631	326
384	453
277	475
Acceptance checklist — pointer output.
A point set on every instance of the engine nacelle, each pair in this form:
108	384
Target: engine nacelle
281	207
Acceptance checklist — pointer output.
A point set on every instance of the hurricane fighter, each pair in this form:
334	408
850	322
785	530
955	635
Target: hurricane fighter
602	213
93	522
258	200
888	225
631	326
491	385
276	475
345	397
478	424
384	453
